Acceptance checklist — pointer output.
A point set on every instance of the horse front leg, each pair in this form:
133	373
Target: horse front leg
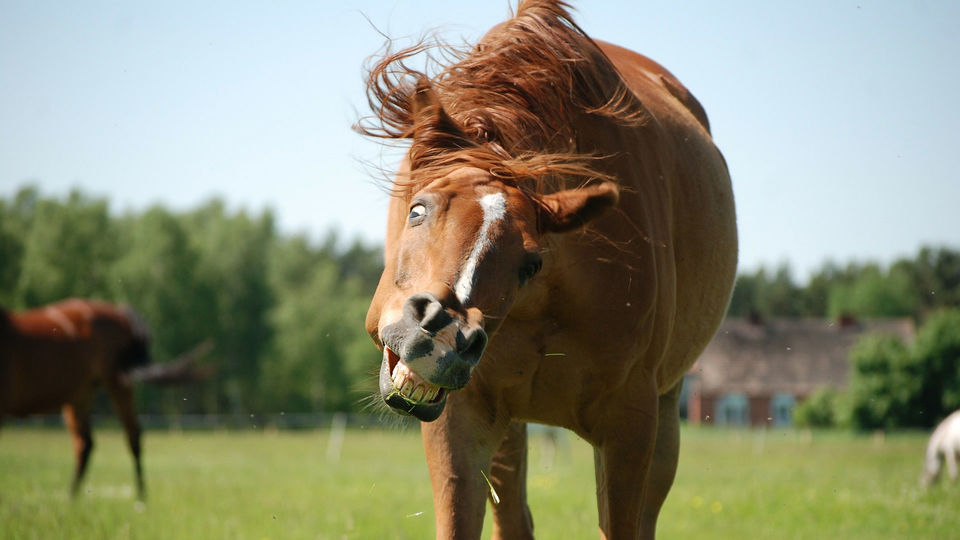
623	452
459	447
666	453
508	474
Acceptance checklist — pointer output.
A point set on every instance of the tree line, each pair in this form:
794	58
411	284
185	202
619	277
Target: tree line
285	314
910	287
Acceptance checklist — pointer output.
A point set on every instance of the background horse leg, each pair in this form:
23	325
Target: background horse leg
622	458
459	445
77	418
666	453
950	456
508	474
122	396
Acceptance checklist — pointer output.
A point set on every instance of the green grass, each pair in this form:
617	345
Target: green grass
256	485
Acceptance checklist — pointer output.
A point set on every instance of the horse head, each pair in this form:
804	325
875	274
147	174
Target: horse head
462	245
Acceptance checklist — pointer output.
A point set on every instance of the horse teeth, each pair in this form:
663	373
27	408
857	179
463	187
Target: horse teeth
430	393
407	387
417	393
400	374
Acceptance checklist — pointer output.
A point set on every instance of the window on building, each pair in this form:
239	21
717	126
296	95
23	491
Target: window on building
733	410
689	381
781	409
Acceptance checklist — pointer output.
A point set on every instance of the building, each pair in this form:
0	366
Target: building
754	371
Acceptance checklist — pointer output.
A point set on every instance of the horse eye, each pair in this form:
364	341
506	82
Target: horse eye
417	212
529	270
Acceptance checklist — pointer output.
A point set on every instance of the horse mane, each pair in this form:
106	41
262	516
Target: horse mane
510	105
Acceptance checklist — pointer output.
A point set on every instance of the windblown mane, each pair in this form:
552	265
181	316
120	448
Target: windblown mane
509	105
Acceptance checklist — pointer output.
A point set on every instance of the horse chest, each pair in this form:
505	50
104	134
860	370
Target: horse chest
545	372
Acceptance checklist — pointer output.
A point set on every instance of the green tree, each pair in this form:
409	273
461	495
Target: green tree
233	252
935	276
14	224
158	275
68	251
819	410
767	296
874	293
780	296
892	385
881	383
817	292
937	354
321	352
909	287
743	303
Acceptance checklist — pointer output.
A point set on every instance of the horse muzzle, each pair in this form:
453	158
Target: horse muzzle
429	352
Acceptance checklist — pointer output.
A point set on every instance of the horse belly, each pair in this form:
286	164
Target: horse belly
43	384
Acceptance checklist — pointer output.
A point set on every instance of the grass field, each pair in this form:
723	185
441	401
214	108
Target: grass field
280	485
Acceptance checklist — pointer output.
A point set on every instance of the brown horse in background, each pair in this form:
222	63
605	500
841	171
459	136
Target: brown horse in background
564	213
55	357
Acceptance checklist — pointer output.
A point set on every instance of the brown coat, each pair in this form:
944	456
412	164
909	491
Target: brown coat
516	147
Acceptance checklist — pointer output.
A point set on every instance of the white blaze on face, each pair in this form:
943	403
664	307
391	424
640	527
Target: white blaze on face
494	207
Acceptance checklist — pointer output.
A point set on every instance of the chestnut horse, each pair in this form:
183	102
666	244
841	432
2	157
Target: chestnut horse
55	357
561	245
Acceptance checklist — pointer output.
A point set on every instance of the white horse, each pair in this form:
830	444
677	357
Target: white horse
945	442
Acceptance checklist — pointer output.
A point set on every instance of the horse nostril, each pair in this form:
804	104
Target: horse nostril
473	345
427	312
424	311
417	305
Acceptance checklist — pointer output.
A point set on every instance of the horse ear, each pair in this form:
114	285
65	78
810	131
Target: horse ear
424	98
432	126
572	208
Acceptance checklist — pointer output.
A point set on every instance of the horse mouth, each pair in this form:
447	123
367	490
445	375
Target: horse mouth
408	393
410	385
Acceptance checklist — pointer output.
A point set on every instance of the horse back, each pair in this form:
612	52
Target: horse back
55	354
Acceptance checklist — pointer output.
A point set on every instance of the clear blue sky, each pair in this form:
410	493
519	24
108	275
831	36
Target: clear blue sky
838	119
